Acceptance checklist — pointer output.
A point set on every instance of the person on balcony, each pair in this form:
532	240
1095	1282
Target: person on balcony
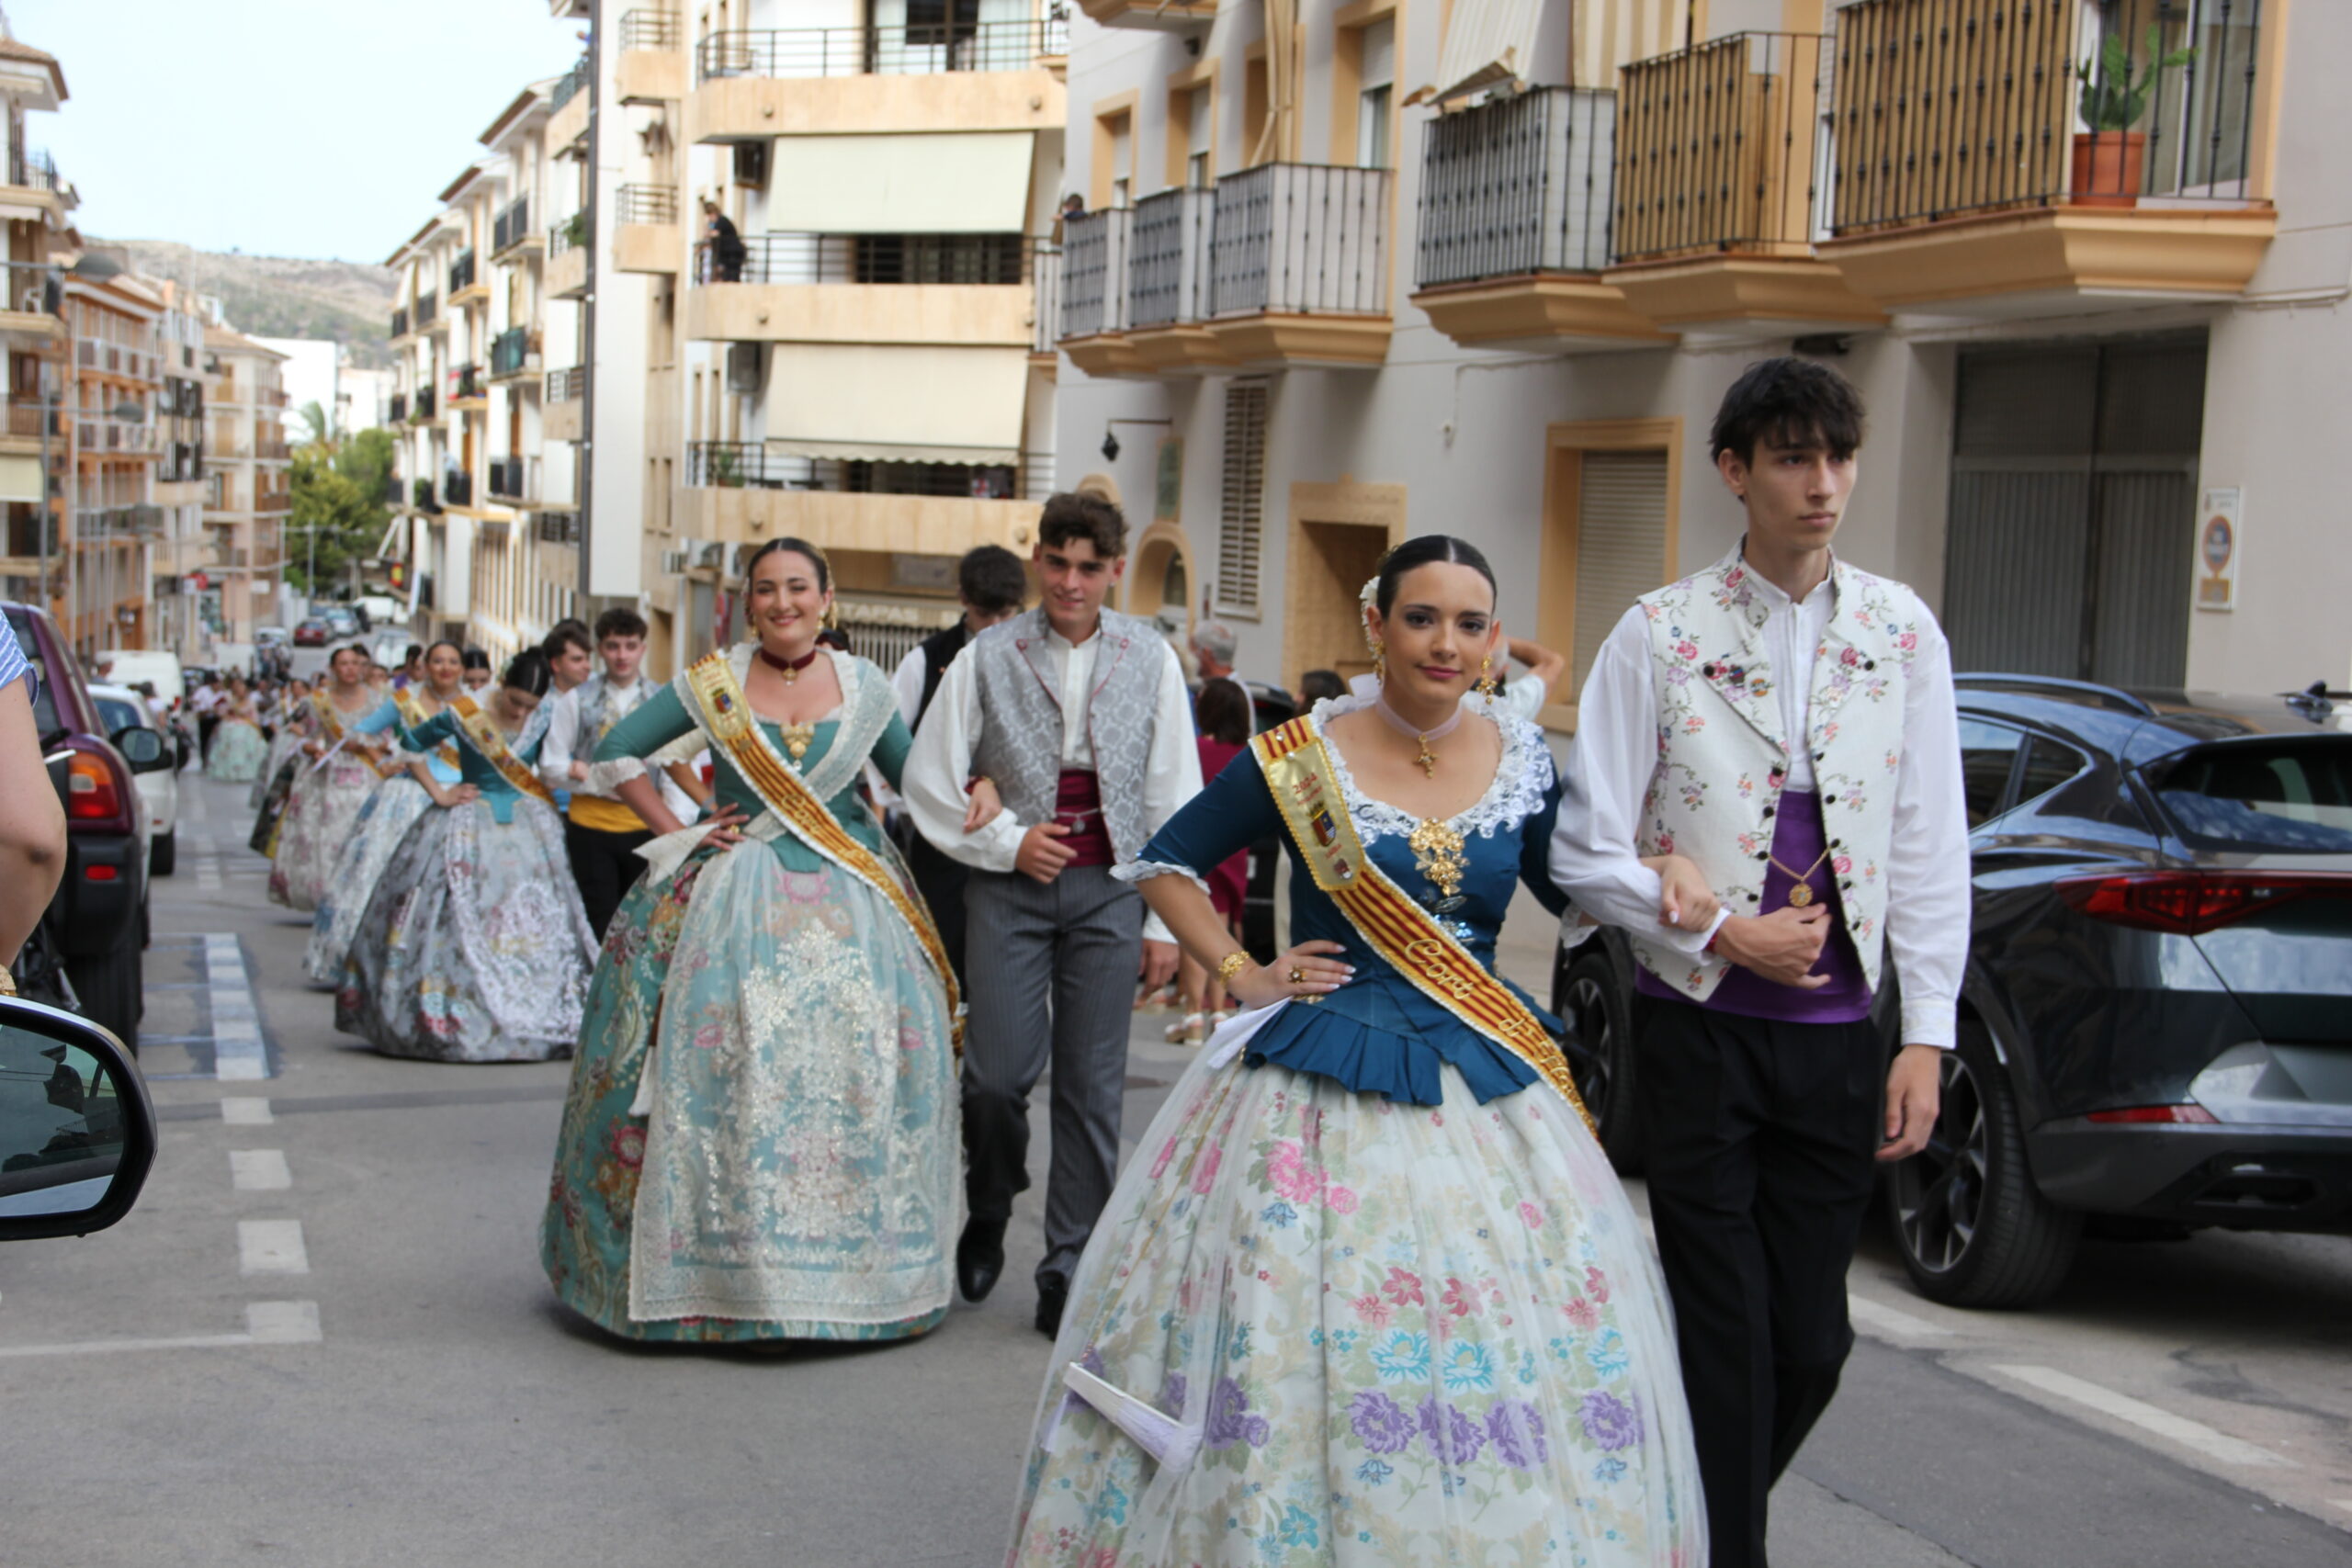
1786	722
727	249
1080	716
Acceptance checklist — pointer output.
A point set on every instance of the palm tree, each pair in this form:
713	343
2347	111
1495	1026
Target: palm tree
315	421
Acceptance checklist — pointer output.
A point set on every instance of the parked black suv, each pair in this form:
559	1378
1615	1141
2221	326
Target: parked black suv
2155	1022
97	922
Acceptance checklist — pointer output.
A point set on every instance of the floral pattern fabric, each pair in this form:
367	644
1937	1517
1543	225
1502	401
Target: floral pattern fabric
239	751
322	811
390	810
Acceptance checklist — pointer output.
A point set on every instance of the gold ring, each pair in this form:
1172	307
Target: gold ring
1297	975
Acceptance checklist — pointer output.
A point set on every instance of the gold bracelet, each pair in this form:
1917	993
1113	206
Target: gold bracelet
1232	963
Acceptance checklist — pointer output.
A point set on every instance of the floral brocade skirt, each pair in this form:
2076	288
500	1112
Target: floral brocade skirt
321	811
384	819
239	750
1383	1333
762	1139
474	946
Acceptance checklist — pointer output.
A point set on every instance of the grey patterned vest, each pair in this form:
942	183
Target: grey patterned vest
1020	719
595	721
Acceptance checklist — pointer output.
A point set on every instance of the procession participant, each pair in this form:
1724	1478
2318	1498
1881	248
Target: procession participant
1528	693
393	806
1370	1290
335	770
205	702
1787	722
601	832
1223	711
412	670
238	748
761	1137
478	674
571	658
990	582
474	947
1080	716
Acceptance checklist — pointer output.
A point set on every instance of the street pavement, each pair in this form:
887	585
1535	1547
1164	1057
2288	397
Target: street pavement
323	1339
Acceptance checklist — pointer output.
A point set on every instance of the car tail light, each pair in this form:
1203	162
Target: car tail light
90	793
100	873
2186	903
2143	1115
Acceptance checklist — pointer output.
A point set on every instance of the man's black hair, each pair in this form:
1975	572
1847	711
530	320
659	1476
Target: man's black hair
1791	404
991	579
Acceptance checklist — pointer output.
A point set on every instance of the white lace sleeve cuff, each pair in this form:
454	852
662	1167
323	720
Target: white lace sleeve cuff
606	778
1136	870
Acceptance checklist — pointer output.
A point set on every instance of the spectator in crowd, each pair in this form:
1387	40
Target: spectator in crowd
1320	685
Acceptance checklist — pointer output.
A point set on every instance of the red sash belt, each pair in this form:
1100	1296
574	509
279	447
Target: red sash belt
1077	805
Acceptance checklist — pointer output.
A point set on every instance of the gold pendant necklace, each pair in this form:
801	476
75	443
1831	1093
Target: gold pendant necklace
1428	759
797	739
1436	855
1802	894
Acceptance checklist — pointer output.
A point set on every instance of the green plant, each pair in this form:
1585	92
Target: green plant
2113	97
575	229
724	472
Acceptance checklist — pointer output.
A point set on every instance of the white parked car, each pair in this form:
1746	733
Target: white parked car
159	791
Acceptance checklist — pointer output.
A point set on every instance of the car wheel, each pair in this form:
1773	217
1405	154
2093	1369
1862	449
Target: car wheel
1973	1229
111	987
1600	1052
163	853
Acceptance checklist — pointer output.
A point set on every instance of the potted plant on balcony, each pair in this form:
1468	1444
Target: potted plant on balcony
2111	157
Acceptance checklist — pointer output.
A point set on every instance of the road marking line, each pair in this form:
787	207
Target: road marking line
245	1111
2195	1435
237	1051
1877	1319
271	1246
259	1171
266	1323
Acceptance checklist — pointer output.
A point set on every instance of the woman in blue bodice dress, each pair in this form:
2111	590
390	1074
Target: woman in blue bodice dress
474	946
391	809
762	1139
1370	1293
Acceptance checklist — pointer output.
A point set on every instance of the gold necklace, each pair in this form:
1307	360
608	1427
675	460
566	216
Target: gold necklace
1802	894
797	739
1436	855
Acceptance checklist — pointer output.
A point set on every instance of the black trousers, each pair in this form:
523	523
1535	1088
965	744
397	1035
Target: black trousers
605	865
1761	1139
939	877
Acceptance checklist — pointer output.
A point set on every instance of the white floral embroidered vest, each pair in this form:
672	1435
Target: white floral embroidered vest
1723	759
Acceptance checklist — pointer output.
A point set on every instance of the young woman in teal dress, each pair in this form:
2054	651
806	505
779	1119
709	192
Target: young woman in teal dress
239	748
762	1136
1369	1292
474	946
391	809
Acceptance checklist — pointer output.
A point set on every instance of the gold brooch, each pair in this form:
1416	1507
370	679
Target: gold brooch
1436	855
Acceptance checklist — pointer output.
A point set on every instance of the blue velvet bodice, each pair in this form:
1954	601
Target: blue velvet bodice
1379	1033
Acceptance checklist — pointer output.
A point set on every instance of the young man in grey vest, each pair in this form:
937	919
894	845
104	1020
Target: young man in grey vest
1080	716
1786	721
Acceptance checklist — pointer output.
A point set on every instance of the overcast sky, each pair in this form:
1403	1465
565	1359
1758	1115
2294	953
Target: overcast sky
288	128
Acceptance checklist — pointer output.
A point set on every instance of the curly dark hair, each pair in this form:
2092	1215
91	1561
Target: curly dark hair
1791	404
1076	514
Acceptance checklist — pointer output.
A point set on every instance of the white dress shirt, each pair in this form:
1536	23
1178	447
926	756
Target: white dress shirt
560	749
936	770
1594	860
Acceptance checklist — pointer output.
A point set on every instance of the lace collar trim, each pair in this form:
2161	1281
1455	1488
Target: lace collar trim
1516	793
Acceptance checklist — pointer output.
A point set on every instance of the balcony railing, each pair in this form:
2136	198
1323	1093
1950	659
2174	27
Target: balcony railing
558	528
421	407
921	49
31	169
461	272
424	499
572	234
458	490
182	461
1045	319
1168	243
652	30
466	381
1301	238
648	203
277	500
269	397
1094	273
1519	185
29	420
1943	107
273	451
566	385
27	287
95	436
1715	148
733	465
428	307
398	408
571	82
399	322
870	258
112	358
509	350
512	226
394	491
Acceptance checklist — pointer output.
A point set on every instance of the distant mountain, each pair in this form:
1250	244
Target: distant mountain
281	296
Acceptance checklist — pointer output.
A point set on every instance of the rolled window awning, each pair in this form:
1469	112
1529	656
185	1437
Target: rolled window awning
931	404
968	183
1486	42
20	478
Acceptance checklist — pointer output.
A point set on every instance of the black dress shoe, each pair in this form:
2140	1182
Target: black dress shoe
980	1257
1053	1295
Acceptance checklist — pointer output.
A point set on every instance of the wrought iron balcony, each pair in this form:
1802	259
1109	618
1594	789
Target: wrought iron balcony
571	82
1518	185
1715	149
915	50
466	381
1094	273
566	384
652	30
428	307
461	272
512	227
509	352
647	204
1001	259
458	490
399	322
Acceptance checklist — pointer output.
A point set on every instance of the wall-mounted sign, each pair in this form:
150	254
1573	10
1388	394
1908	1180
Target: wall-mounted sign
2221	539
1167	480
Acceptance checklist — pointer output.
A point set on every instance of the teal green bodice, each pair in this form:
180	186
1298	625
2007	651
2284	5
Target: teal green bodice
472	767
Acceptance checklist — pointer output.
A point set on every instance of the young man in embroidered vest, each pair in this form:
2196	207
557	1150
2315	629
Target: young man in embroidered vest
1786	721
1080	716
602	833
991	583
571	658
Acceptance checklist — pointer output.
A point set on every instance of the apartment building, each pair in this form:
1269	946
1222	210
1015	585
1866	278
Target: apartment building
1353	272
33	444
248	488
185	558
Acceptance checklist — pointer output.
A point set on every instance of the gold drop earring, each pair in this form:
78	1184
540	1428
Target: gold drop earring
1380	662
1486	678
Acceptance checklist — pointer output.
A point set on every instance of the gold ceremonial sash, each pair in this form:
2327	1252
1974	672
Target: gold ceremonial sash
1298	773
335	730
727	716
482	730
413	716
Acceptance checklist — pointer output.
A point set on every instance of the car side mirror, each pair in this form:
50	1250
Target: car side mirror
77	1129
142	747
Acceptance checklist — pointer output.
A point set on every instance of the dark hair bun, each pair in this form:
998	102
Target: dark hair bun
1427	550
528	672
